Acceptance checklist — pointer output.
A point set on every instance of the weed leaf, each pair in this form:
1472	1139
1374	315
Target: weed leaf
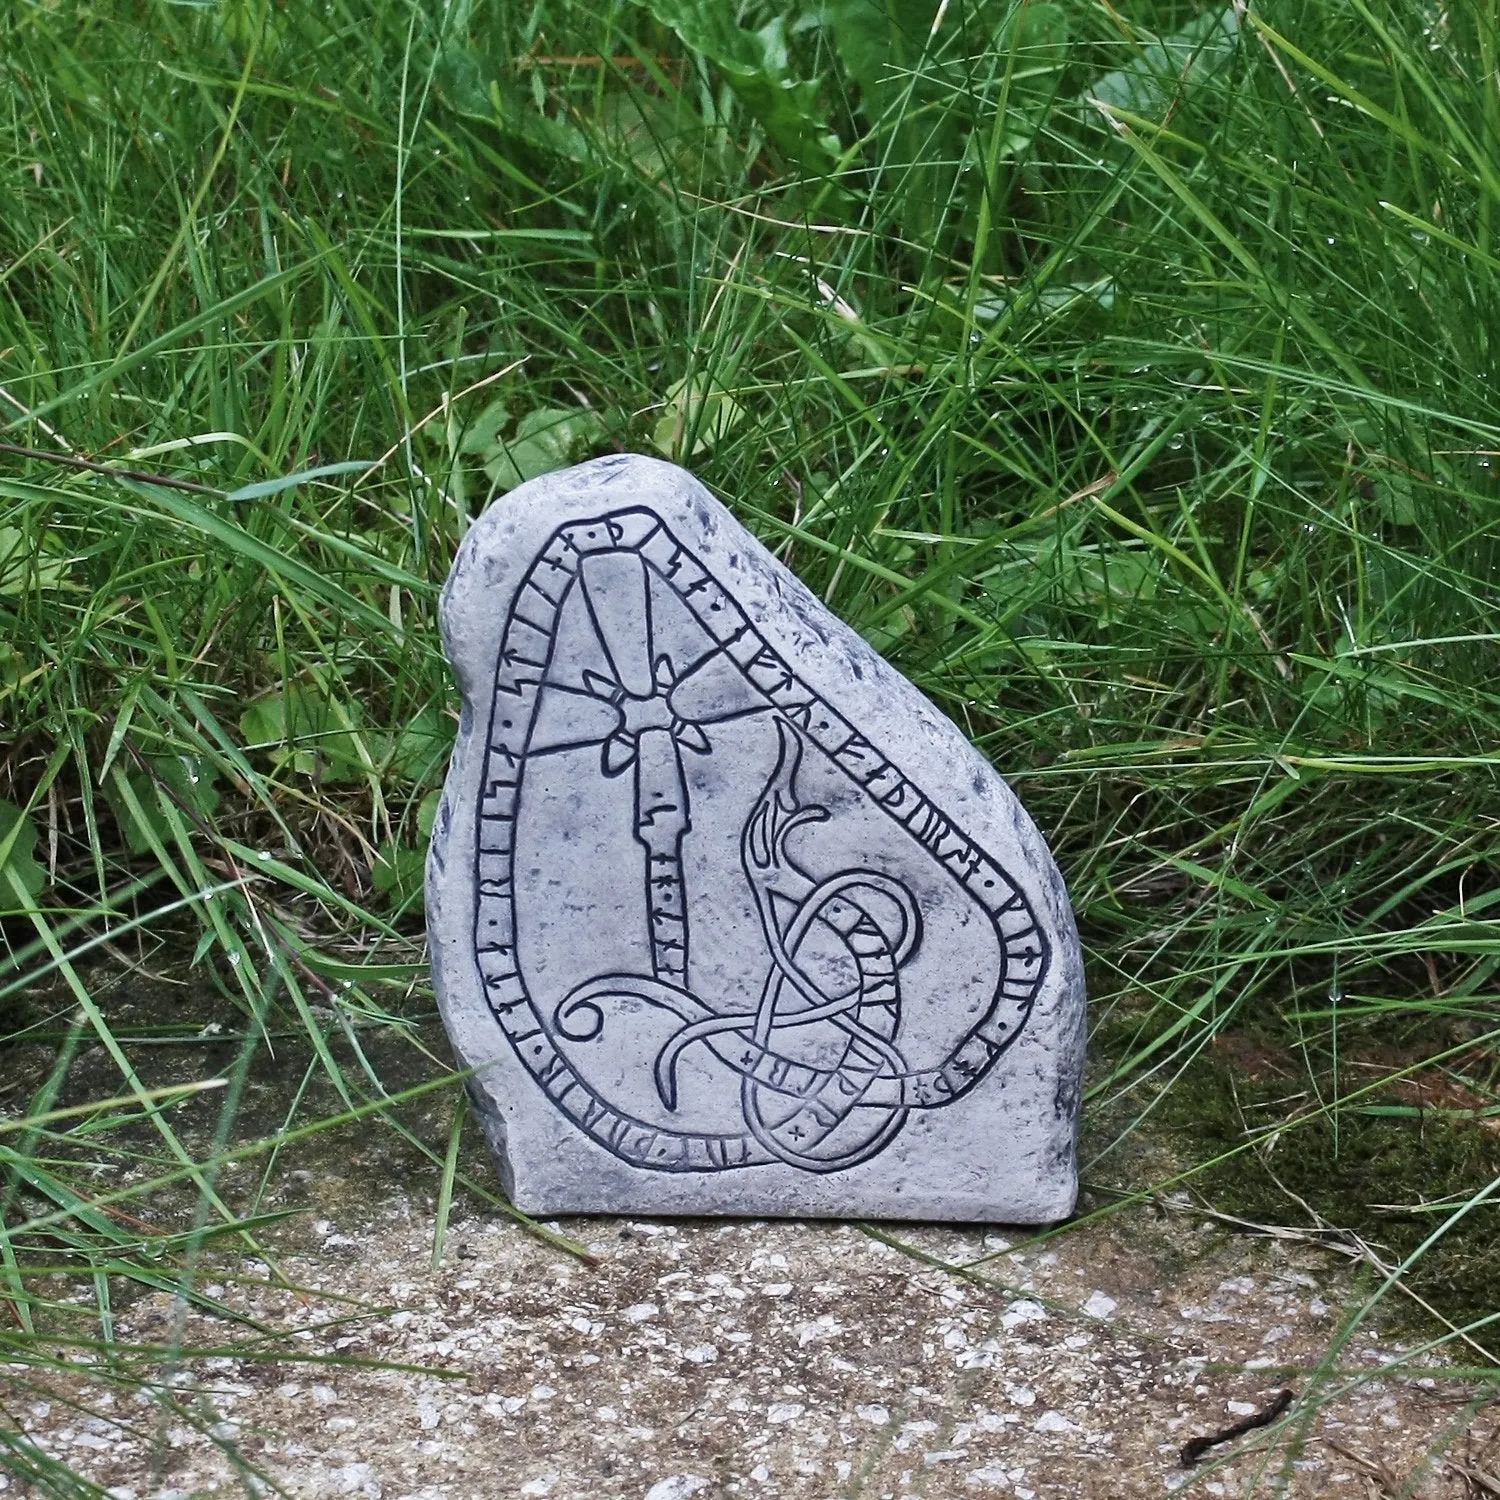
17	841
547	439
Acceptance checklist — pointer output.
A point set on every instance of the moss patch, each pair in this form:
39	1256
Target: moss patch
1390	1168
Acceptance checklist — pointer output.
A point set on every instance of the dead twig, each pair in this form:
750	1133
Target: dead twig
1196	1447
1342	1242
1376	1470
1478	1482
140	476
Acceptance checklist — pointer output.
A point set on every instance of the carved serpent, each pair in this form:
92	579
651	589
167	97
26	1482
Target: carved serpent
870	1074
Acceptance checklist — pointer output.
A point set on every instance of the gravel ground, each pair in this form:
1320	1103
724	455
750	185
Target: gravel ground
771	1361
779	1360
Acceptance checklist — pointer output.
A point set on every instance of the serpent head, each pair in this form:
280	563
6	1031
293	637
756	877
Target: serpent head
776	812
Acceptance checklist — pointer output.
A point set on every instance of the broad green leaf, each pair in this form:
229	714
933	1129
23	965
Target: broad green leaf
1168	67
933	95
549	439
18	837
482	435
399	874
657	138
188	780
514	112
17	841
247	24
25	565
756	66
419	751
698	413
306	732
1396	496
462	77
878	42
469	83
1040	39
885	635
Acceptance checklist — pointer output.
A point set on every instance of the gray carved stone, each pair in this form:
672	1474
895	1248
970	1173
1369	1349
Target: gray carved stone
727	917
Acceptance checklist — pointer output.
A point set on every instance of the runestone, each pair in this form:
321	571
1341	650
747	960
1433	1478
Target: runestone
724	915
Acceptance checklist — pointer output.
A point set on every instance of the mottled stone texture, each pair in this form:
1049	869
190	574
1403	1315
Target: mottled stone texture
729	919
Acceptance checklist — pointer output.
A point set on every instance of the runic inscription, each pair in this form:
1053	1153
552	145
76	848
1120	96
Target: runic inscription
813	1068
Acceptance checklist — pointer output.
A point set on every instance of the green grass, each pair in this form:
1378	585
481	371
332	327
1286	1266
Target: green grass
1136	397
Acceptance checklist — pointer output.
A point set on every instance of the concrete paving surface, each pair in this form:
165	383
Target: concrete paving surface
764	1360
